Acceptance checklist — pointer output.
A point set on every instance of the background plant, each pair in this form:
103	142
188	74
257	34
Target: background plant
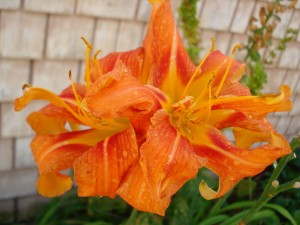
189	23
260	49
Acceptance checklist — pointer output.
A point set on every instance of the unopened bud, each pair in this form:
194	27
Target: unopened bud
275	183
296	185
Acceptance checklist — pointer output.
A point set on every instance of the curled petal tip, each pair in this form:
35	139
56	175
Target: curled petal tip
206	191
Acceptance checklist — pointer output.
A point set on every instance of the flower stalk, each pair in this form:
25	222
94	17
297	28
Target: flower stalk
272	190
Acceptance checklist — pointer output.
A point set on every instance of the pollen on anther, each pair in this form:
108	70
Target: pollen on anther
235	48
25	87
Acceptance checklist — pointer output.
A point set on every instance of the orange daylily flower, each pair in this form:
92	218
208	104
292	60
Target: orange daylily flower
154	119
198	102
56	148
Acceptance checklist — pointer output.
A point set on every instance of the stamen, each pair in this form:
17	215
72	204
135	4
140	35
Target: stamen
209	101
25	87
87	76
227	69
97	62
198	68
199	97
74	89
81	113
199	106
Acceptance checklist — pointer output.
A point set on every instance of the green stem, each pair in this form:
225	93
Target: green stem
132	217
216	208
270	191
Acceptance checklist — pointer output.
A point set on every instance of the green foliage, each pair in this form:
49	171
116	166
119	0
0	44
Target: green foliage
260	38
289	35
189	24
258	77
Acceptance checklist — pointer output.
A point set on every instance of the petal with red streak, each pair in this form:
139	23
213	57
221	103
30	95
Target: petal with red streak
135	191
167	158
256	105
99	171
119	94
233	89
166	63
232	163
213	70
132	59
68	109
58	152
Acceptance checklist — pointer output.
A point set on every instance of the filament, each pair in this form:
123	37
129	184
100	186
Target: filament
198	68
227	70
87	76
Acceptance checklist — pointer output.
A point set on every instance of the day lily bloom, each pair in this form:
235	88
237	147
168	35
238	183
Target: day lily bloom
152	119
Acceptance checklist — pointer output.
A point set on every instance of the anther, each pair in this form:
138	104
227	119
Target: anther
87	62
97	62
234	49
25	87
87	43
73	88
213	41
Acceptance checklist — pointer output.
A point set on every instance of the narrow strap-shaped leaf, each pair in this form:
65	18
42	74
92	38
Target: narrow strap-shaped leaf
283	212
214	220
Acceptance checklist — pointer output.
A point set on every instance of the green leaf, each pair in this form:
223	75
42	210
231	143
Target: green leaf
283	212
97	223
245	187
295	143
266	214
297	216
235	219
277	18
214	220
254	55
237	205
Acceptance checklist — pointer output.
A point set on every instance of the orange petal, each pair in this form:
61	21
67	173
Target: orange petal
213	70
256	105
233	89
132	59
166	62
135	192
45	125
58	152
53	184
167	158
69	109
224	118
119	94
51	119
232	163
99	171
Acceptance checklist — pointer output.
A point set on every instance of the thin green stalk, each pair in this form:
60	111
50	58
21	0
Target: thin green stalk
216	208
271	190
132	217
